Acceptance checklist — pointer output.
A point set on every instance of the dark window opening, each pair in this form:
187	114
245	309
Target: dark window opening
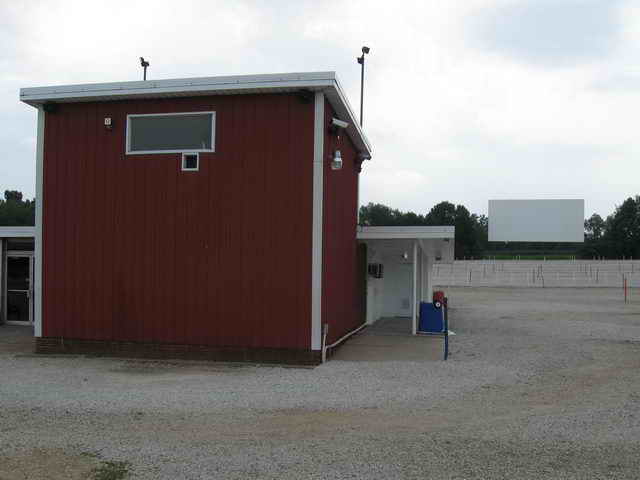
190	162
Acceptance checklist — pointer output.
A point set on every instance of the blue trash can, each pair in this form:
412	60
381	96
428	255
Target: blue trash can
431	318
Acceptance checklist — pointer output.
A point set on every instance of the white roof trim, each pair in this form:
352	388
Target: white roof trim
370	233
326	82
17	232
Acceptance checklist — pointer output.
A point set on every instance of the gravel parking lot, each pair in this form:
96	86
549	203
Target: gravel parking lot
541	383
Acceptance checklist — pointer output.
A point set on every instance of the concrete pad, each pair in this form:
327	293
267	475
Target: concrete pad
388	340
16	339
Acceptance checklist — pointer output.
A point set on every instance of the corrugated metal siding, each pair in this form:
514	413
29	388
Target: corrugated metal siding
341	295
137	250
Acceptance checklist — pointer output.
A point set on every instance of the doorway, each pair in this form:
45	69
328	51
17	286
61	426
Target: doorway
19	288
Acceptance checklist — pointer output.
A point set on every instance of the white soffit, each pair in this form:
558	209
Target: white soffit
366	233
436	242
17	232
326	82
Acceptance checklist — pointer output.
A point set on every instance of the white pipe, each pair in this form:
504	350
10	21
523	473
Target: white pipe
327	347
325	329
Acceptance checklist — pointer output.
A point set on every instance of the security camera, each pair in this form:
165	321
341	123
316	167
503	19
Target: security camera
336	123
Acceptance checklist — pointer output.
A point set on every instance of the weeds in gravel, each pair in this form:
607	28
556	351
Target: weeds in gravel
90	454
111	471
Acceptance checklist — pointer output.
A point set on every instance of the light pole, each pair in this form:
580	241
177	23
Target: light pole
365	50
144	64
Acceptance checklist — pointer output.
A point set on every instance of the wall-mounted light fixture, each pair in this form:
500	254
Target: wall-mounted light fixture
108	123
405	256
336	163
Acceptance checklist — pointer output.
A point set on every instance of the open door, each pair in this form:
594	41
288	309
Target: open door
18	297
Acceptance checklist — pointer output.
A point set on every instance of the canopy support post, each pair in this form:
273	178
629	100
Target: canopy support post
414	316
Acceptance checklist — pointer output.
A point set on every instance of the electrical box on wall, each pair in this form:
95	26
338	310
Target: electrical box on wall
375	270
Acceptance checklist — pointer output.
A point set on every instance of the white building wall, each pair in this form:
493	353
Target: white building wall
398	287
375	291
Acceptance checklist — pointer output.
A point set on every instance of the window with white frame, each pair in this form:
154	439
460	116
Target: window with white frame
171	132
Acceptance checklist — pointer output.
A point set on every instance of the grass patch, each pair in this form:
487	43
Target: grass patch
110	471
90	454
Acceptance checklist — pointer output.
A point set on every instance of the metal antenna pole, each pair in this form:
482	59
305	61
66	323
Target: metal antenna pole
361	87
361	62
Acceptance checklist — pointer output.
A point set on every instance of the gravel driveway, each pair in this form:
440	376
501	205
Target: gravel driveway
541	383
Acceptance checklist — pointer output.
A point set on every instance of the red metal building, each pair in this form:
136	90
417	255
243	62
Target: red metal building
205	217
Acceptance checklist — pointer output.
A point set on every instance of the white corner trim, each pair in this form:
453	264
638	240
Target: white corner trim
37	268
316	249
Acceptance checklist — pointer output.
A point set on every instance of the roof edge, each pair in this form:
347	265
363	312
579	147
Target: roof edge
77	92
201	86
390	232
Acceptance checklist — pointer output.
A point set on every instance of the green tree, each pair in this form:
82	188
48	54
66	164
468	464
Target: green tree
378	214
470	233
444	213
623	229
594	227
14	212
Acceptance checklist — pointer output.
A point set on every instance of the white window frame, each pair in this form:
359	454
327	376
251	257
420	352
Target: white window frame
185	169
147	152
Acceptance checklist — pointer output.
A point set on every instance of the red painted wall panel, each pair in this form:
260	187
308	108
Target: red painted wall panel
137	250
341	275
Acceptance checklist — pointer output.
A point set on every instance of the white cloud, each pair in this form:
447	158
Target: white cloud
451	115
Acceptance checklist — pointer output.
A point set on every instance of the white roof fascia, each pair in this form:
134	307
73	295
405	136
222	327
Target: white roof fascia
366	233
17	232
184	87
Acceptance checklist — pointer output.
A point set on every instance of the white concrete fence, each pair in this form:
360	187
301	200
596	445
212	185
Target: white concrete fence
526	273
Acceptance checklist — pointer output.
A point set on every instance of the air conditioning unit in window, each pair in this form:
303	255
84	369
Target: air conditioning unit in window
375	270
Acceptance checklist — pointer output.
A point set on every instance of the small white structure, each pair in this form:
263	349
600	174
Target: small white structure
536	220
406	256
16	275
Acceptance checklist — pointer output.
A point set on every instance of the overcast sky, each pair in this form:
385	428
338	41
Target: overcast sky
465	100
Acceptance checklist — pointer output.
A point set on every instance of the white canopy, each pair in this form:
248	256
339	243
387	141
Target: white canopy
419	246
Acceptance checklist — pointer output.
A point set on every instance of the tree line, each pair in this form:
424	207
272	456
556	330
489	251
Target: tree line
16	212
471	229
617	236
